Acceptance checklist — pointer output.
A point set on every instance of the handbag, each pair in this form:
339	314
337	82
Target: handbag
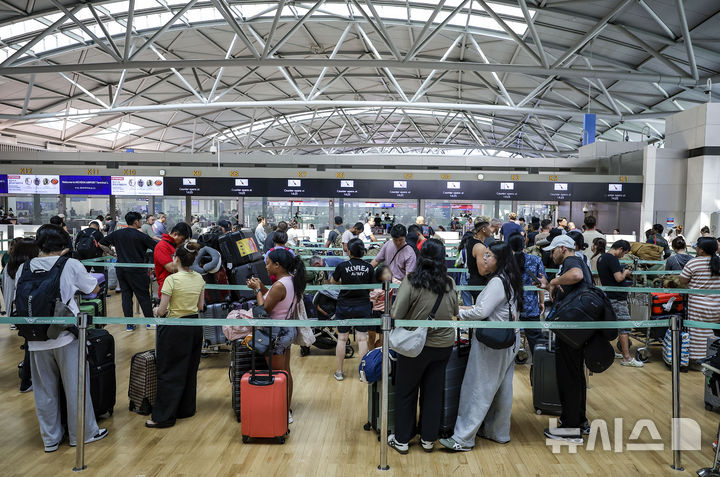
233	333
497	338
411	343
305	335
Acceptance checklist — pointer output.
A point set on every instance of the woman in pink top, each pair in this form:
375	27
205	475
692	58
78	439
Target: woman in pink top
282	297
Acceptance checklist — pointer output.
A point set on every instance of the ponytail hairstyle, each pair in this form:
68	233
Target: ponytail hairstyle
517	244
600	244
187	252
509	272
294	265
430	271
710	246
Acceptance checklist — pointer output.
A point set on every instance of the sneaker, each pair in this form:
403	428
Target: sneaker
585	428
618	355
130	328
52	447
427	445
290	419
453	445
149	327
102	433
13	327
26	387
401	448
633	363
572	435
339	375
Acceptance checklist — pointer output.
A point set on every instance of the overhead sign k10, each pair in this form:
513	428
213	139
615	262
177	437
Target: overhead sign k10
404	189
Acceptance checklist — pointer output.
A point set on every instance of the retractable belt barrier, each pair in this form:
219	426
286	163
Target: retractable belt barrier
84	320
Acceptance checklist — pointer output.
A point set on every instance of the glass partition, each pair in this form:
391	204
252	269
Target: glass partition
540	210
210	211
23	208
173	208
33	209
403	211
442	213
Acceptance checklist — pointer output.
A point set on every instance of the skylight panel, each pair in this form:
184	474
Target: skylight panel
117	131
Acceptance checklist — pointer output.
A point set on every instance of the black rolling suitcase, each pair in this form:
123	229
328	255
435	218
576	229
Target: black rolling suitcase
374	391
213	335
546	395
712	396
101	360
237	249
241	363
242	273
454	373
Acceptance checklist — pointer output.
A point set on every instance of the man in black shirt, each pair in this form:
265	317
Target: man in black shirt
352	303
131	245
568	361
613	274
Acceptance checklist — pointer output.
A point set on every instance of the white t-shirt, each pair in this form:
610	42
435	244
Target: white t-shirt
74	278
348	236
367	232
293	236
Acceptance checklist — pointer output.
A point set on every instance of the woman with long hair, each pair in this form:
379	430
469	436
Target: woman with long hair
424	374
702	272
20	251
486	394
178	347
281	299
599	247
533	301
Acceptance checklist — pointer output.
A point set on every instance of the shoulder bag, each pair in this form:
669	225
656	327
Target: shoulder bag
411	343
497	338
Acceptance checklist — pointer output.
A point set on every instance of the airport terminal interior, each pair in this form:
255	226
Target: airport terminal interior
250	159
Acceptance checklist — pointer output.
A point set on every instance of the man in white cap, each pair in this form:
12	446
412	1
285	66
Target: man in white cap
568	361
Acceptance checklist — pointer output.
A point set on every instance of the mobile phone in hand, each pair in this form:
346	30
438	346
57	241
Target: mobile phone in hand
535	279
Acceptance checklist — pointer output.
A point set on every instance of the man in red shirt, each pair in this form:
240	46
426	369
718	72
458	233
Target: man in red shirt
164	251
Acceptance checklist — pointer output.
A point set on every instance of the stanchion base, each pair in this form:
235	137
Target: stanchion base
75	469
708	472
679	469
387	467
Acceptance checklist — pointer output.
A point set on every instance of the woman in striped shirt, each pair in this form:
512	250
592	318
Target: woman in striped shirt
702	272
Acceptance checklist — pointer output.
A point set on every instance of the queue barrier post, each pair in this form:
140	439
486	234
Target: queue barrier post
385	392
83	320
676	329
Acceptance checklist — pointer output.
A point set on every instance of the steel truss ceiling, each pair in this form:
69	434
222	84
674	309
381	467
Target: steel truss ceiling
442	76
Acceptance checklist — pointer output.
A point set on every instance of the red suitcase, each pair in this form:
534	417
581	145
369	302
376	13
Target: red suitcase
264	406
660	303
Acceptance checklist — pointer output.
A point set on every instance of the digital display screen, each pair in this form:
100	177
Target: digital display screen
85	185
35	184
137	185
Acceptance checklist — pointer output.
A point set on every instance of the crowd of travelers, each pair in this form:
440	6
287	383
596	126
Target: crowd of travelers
504	257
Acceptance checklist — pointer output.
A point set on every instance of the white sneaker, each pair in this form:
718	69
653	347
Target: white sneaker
52	447
618	355
290	419
633	363
101	434
427	446
401	448
339	375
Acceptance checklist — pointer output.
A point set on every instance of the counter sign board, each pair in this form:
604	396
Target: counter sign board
137	185
35	184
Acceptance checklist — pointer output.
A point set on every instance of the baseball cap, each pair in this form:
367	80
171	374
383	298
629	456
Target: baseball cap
225	224
560	241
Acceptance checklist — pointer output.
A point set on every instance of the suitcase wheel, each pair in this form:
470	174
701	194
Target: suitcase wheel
304	350
245	439
538	411
708	406
368	427
281	440
349	351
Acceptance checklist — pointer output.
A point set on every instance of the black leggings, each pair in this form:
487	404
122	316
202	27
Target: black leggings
424	374
571	383
178	359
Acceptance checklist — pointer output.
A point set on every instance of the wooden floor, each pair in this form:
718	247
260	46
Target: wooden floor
327	438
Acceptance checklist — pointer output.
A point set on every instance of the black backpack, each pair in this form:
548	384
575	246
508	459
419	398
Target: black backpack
210	239
86	246
38	294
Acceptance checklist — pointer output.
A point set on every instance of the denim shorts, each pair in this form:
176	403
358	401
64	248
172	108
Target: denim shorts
349	311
